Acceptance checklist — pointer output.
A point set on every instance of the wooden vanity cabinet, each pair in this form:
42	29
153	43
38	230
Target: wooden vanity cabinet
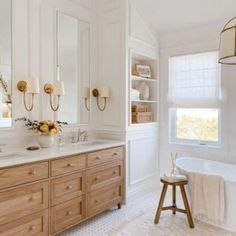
105	175
104	198
23	201
36	224
68	165
14	176
67	187
45	198
67	214
105	156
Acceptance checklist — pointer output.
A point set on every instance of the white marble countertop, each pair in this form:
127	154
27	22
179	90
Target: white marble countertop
18	156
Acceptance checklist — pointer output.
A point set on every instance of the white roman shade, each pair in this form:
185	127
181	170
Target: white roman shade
195	80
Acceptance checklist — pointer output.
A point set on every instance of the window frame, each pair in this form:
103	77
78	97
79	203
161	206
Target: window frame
204	143
172	121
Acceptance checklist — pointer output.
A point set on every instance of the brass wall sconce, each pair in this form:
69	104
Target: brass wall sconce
32	88
103	93
86	96
58	90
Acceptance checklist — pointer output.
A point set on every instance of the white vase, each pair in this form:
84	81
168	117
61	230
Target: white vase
45	141
144	91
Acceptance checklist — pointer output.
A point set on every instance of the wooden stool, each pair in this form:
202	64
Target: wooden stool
174	208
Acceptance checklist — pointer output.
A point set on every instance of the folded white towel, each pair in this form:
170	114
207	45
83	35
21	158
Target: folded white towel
135	98
208	197
174	178
134	92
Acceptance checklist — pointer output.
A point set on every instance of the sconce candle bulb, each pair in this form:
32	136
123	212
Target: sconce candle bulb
104	92
59	88
86	93
33	86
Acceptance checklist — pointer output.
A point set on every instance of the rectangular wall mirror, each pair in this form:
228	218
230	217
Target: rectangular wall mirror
73	61
5	64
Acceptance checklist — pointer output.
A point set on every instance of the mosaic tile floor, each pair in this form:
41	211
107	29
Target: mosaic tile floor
136	219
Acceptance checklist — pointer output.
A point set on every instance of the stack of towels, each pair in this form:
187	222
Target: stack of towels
134	94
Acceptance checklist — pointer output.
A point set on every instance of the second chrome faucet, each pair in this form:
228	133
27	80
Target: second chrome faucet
80	136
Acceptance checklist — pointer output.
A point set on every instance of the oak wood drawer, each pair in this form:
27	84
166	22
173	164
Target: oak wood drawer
67	214
23	201
102	199
67	188
68	165
36	224
104	156
99	177
23	174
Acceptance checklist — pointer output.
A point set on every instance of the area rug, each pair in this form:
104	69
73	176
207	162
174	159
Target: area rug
169	225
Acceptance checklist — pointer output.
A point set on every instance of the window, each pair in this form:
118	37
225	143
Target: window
194	98
195	125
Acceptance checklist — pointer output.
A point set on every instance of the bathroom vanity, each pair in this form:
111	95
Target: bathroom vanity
45	196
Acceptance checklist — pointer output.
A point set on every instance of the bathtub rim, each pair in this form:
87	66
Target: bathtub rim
204	172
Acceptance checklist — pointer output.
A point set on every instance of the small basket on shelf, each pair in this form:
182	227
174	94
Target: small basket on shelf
141	114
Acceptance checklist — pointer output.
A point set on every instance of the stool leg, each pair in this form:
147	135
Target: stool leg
174	199
186	205
161	202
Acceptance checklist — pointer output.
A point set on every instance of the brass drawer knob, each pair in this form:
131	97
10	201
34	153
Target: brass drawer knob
68	213
31	199
96	201
98	158
115	172
96	178
114	194
115	154
33	172
69	187
70	165
31	228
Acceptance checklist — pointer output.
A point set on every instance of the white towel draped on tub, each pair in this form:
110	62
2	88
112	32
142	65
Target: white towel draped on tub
208	197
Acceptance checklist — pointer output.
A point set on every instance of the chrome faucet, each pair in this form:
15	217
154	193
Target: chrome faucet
80	133
85	137
79	136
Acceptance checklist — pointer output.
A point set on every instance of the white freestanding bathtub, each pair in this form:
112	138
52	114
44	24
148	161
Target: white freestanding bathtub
186	165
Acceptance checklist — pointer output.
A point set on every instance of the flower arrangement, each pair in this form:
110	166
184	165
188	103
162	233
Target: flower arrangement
46	127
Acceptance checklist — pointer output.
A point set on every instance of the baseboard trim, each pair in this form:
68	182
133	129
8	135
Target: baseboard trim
142	188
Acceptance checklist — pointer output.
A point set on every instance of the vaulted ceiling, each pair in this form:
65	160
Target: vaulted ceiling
173	15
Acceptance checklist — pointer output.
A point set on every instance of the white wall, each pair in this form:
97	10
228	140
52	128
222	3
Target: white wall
111	63
189	41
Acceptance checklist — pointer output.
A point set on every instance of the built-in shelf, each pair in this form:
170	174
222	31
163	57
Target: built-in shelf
143	101
138	78
137	58
148	124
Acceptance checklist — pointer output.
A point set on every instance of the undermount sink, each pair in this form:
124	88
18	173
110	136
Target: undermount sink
6	155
